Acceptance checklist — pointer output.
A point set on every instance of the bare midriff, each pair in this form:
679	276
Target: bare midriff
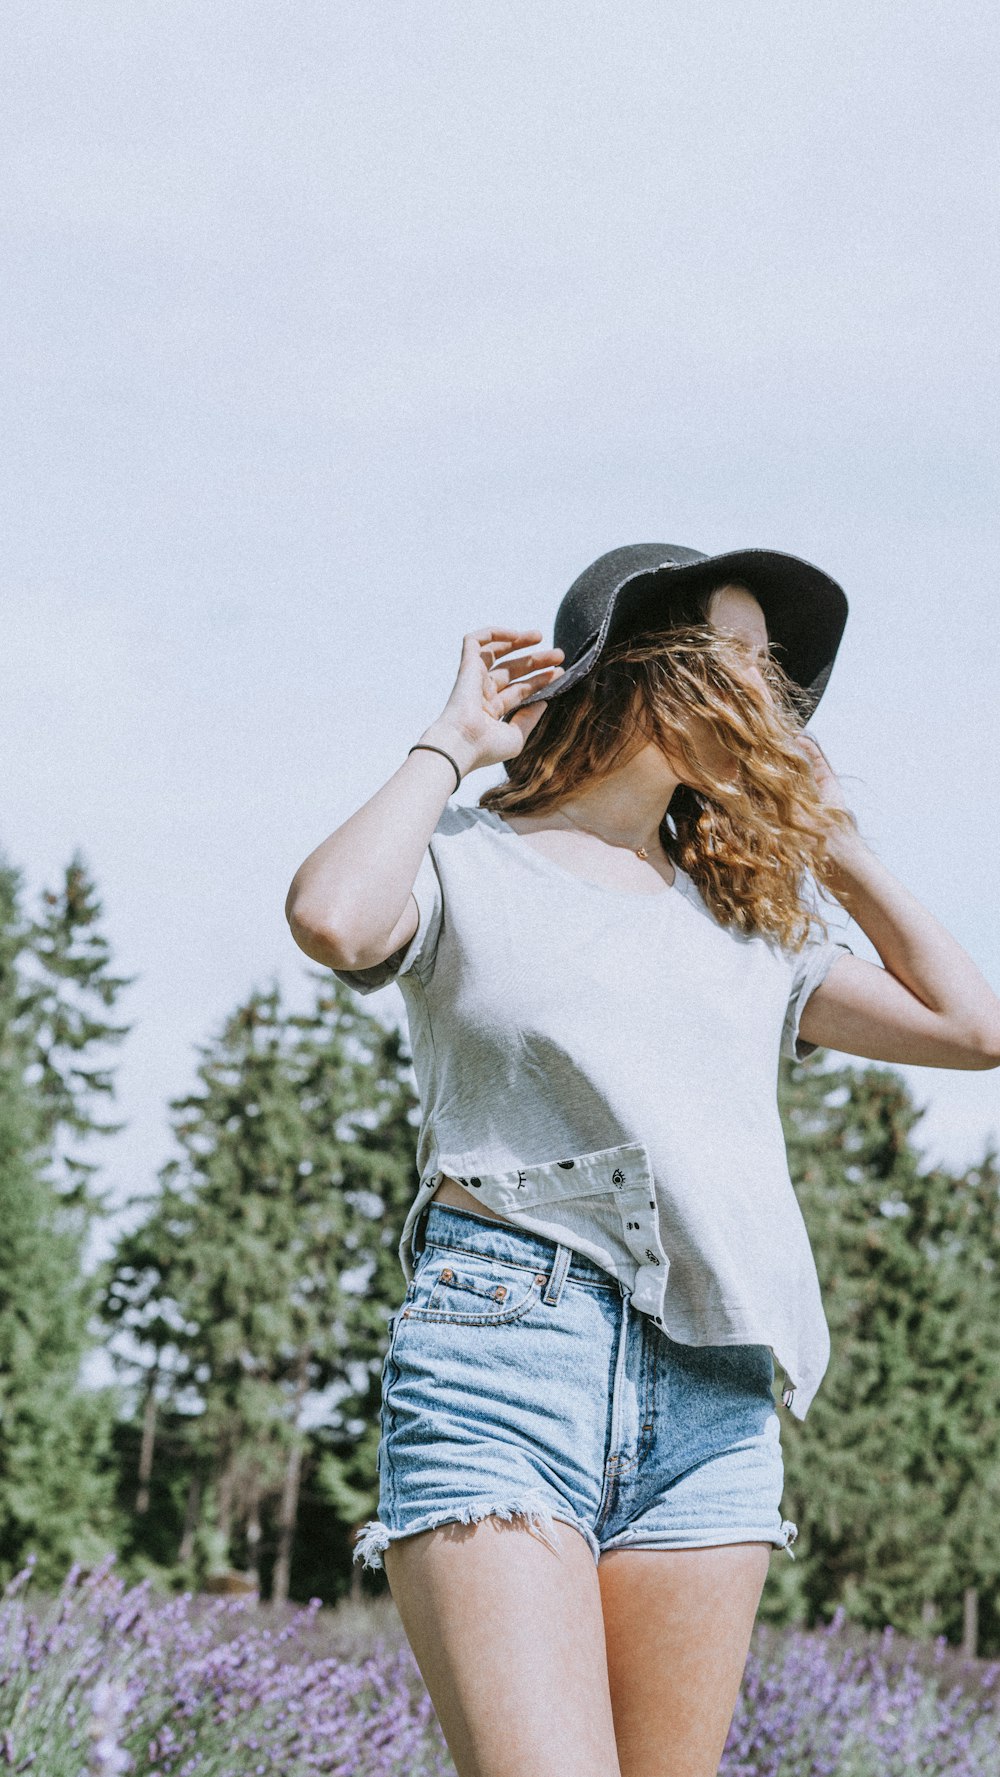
449	1191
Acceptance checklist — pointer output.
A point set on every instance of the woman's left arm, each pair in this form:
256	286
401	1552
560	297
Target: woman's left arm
929	1005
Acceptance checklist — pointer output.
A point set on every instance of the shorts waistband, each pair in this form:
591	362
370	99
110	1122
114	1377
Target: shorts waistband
441	1223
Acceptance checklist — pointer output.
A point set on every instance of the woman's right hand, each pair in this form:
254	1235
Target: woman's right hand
488	688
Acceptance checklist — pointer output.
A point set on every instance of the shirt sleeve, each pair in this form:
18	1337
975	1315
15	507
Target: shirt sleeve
812	964
420	952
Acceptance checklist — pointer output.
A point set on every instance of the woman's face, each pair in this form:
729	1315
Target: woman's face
735	610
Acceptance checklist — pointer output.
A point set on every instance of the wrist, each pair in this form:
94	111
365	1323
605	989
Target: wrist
847	859
439	734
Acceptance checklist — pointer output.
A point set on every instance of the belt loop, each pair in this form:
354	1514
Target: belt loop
561	1265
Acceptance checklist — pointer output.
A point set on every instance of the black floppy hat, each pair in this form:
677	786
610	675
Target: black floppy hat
638	584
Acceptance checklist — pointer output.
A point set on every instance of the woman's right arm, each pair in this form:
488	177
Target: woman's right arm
350	904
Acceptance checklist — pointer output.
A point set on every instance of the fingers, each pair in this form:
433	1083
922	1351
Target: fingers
525	720
518	635
491	644
490	651
517	669
507	685
520	690
813	751
494	642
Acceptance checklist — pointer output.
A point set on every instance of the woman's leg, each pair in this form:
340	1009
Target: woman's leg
509	1639
677	1625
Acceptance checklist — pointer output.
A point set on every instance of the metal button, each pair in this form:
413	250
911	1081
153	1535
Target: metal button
539	1276
446	1275
500	1292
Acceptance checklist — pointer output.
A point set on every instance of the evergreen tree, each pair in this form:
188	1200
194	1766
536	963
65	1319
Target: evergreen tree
56	1464
894	1478
68	986
266	1270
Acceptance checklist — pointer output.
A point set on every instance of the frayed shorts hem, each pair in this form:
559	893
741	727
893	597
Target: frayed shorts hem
374	1537
710	1539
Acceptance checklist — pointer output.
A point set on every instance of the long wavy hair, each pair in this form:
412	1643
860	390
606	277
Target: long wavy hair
748	842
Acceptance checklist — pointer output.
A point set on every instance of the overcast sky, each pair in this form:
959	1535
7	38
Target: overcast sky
332	332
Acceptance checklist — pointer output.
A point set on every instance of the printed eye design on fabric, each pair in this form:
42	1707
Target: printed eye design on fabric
521	1177
618	1177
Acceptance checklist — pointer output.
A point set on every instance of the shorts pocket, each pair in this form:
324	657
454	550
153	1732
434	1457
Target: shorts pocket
470	1289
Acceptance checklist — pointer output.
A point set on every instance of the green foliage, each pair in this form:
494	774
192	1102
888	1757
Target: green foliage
67	987
894	1477
56	1464
248	1312
266	1270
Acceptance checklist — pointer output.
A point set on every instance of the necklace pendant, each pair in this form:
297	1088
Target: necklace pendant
640	851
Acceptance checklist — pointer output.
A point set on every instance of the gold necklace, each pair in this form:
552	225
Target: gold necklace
640	850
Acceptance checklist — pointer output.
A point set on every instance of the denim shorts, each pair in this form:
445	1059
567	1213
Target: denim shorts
519	1382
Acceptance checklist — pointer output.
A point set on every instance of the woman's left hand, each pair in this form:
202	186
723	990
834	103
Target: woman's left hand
830	788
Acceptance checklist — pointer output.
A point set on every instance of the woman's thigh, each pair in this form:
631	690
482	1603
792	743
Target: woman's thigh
528	1422
509	1638
494	1420
677	1626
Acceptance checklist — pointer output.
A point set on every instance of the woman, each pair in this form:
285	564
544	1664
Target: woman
580	1457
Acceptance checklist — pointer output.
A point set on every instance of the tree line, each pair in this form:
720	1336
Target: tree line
244	1307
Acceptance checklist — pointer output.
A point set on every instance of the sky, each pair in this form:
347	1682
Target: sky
331	333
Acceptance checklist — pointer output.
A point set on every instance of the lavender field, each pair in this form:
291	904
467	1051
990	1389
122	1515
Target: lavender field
105	1680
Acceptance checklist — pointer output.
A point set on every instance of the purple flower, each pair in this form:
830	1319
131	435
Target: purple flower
111	1680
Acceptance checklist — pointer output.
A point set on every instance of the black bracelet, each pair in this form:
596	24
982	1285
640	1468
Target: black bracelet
428	748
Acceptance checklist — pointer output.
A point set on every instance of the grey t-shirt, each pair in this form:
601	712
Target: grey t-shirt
600	1066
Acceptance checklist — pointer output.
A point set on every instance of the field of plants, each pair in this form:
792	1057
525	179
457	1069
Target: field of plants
112	1680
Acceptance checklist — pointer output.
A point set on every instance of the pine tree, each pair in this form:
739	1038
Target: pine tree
267	1268
56	1467
894	1478
68	986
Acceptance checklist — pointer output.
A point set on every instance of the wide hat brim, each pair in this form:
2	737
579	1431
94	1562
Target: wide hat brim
804	609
